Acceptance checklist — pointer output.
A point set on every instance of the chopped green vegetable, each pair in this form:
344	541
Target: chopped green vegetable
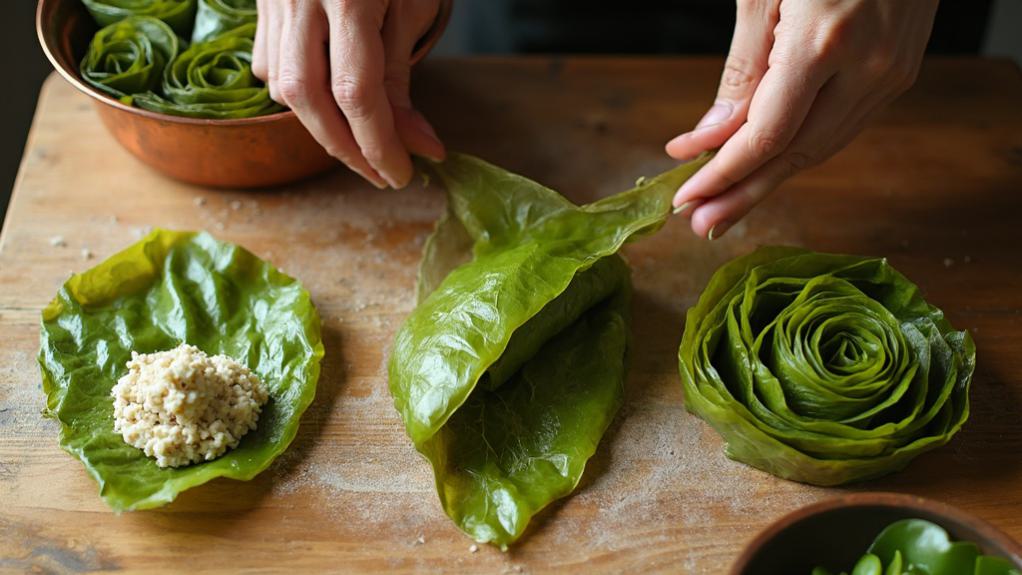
213	80
129	56
214	17
174	287
918	547
512	366
823	368
178	14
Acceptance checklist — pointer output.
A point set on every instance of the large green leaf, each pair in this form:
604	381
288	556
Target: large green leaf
168	288
919	547
179	14
213	80
129	56
511	367
823	368
214	17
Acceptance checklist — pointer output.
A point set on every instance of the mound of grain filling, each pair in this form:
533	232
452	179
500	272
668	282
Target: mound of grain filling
182	406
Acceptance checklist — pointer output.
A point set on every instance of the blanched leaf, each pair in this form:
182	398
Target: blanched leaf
129	56
511	368
168	288
178	14
215	17
213	80
823	368
916	546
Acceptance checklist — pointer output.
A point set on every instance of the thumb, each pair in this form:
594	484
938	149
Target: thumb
744	68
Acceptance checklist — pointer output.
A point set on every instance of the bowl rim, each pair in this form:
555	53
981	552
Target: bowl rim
426	43
877	499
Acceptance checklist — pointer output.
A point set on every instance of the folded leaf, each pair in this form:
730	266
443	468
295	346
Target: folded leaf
178	14
512	366
214	17
174	287
823	368
129	56
213	80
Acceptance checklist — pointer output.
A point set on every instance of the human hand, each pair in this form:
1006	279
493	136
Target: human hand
343	66
802	79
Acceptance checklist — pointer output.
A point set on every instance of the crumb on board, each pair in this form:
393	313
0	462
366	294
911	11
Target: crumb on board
948	262
420	540
199	201
473	548
235	205
86	254
58	242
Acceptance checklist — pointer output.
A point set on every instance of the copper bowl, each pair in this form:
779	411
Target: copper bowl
242	153
837	532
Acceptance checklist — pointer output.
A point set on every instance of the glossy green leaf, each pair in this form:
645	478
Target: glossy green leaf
919	547
129	56
823	368
168	288
178	14
512	366
214	17
213	80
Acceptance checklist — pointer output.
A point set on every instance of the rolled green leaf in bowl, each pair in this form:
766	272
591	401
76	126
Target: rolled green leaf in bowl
823	368
214	17
178	14
129	56
174	288
213	80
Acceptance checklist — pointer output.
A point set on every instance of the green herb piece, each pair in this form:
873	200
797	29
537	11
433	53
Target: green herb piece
129	56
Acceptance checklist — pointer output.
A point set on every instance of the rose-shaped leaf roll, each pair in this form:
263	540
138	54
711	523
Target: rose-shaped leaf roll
174	287
213	80
179	14
129	56
215	17
512	366
823	368
912	546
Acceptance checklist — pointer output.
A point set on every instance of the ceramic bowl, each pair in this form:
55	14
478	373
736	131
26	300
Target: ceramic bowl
240	153
838	531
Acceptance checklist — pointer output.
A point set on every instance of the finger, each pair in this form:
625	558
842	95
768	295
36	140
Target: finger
840	106
259	66
778	109
304	85
276	18
401	30
357	67
744	68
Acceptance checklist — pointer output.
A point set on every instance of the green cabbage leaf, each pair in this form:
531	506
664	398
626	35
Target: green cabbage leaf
168	288
823	368
512	366
178	14
129	56
214	17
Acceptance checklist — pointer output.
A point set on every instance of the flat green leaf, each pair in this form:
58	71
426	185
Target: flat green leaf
174	287
213	79
178	14
129	56
512	366
823	368
214	17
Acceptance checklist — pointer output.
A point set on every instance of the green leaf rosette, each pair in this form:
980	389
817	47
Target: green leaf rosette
512	366
168	288
213	80
919	547
823	368
129	56
214	17
178	14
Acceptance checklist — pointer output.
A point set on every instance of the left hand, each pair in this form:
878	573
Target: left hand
801	80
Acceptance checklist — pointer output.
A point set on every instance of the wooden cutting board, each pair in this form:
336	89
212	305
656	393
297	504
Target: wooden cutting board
935	184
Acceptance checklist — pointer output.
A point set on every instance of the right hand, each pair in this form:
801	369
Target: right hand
343	66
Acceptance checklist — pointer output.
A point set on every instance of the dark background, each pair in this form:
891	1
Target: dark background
964	27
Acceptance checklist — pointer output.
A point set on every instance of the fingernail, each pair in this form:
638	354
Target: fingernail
718	230
717	113
423	125
685	206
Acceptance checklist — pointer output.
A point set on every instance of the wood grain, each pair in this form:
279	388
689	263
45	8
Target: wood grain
935	184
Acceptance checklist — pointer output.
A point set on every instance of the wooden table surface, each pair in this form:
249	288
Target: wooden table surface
935	184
